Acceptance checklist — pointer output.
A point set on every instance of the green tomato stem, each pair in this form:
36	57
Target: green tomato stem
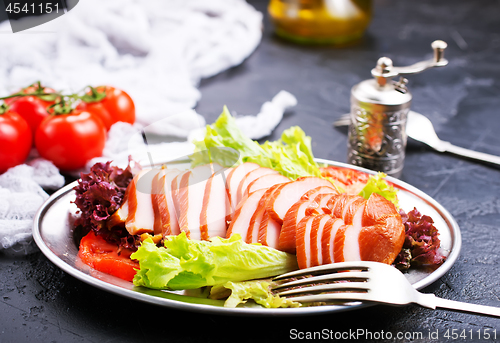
4	108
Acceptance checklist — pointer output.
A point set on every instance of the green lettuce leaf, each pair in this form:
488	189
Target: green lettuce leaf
377	184
257	290
291	155
189	264
224	133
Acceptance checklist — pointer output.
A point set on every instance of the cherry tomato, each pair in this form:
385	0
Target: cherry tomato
70	140
116	106
15	139
95	252
32	108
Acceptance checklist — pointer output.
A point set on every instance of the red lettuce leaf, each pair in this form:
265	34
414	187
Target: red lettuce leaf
99	194
421	246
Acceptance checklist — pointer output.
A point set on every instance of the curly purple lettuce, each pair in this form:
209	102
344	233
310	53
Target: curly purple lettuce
99	194
421	246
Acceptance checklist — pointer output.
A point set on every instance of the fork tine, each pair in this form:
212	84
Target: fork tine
343	120
322	278
326	268
334	297
344	287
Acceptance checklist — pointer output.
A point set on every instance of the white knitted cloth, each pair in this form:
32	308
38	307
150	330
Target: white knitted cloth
21	194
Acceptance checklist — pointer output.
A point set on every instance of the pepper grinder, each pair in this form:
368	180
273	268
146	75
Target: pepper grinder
379	110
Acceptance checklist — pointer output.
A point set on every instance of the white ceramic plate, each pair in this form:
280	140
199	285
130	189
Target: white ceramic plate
53	233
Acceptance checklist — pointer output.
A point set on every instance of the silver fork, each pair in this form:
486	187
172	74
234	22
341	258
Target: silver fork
366	282
420	128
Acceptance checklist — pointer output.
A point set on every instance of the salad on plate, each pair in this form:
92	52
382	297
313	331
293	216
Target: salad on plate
242	213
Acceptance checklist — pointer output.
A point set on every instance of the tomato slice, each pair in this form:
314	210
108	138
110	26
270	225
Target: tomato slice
344	175
103	256
350	180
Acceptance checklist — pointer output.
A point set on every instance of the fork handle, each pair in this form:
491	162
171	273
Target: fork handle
476	155
431	301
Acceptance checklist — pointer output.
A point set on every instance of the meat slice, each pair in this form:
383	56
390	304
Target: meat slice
382	242
328	240
357	230
269	231
150	193
225	173
175	191
318	226
161	214
295	214
314	238
168	179
190	194
140	218
249	177
304	242
338	245
340	203
373	229
159	201
265	181
213	214
383	233
233	181
320	203
350	209
377	209
243	215
254	227
216	168
353	219
284	198
256	220
263	228
165	220
351	213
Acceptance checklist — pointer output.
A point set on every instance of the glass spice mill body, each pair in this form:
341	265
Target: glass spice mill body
379	110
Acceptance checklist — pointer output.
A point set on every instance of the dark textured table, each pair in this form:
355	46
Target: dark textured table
40	303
